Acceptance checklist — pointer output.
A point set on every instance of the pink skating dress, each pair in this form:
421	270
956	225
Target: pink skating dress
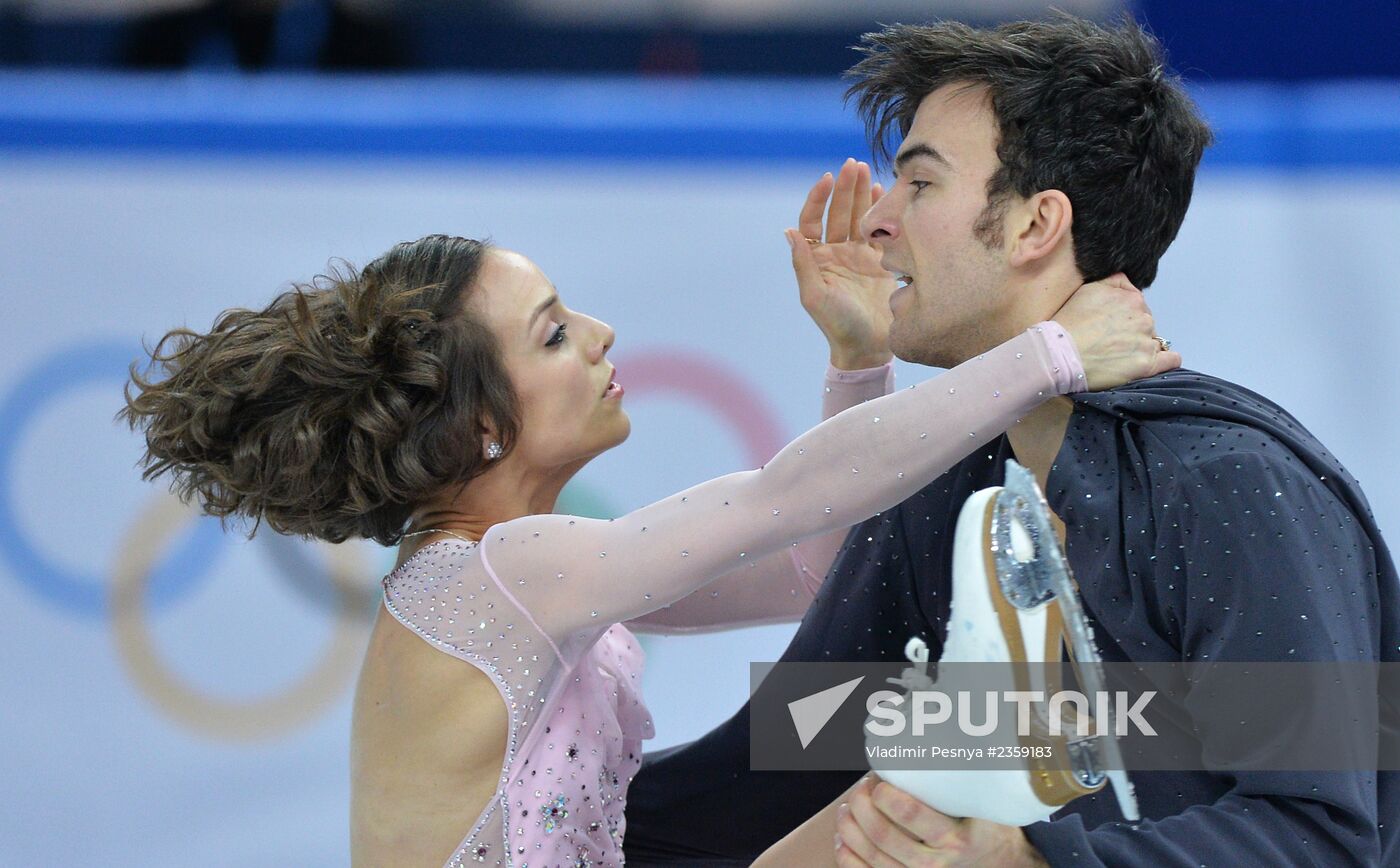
537	605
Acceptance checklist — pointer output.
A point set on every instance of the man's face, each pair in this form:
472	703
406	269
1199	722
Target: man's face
933	227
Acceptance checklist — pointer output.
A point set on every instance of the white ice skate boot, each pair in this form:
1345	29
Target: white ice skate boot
1015	601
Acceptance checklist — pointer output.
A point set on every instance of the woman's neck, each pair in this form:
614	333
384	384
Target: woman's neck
499	495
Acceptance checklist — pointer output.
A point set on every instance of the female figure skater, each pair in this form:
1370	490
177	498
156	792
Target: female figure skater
440	399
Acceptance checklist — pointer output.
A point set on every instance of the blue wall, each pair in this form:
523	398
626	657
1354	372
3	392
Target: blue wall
1273	125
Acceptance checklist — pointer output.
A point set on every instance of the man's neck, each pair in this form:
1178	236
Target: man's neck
1037	438
1040	291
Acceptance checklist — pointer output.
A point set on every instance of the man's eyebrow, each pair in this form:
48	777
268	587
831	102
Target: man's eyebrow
914	152
543	306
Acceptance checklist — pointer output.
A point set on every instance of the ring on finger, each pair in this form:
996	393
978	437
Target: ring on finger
814	241
1162	343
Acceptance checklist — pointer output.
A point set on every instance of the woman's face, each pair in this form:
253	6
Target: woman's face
570	405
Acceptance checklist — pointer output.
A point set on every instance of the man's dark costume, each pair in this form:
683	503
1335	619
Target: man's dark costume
1203	523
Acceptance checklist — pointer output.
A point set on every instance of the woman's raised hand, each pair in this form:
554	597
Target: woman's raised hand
842	286
1115	334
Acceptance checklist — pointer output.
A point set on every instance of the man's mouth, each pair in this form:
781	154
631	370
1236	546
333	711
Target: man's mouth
902	278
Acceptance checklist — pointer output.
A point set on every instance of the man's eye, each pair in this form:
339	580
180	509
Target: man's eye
919	185
558	336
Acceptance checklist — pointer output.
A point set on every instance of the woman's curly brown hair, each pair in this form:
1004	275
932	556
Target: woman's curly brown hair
337	409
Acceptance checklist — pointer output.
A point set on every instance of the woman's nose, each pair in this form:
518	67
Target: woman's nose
603	341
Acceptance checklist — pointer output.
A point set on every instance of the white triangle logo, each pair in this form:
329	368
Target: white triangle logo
811	713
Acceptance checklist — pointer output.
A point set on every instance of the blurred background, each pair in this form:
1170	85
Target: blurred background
171	693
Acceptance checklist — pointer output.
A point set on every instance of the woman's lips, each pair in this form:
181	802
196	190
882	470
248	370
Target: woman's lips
614	390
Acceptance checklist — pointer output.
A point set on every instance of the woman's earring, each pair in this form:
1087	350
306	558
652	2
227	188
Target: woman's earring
493	451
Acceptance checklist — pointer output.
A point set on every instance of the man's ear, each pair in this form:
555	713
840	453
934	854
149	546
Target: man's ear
1042	223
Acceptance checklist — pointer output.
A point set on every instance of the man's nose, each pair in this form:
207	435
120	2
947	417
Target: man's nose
878	224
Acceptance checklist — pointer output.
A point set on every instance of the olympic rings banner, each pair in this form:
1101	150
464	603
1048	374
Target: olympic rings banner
174	692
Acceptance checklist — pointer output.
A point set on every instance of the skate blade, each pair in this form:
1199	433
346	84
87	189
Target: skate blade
1027	573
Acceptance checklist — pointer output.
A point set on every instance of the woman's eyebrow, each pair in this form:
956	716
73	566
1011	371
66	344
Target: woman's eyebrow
541	308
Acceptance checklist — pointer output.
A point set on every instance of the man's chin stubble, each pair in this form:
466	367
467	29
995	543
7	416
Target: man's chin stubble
923	354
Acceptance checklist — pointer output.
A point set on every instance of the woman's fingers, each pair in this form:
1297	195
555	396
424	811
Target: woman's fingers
804	264
1166	360
847	858
1115	332
838	214
1120	280
836	204
853	838
865	197
809	221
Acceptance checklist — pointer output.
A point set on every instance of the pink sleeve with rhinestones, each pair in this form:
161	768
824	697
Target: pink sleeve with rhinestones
780	586
578	575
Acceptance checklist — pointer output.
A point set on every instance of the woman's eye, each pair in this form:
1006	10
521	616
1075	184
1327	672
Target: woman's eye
919	185
558	336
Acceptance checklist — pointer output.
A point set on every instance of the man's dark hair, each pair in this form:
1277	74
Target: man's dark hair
1082	108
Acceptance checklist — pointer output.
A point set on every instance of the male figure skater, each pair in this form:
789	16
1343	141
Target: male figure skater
1202	521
